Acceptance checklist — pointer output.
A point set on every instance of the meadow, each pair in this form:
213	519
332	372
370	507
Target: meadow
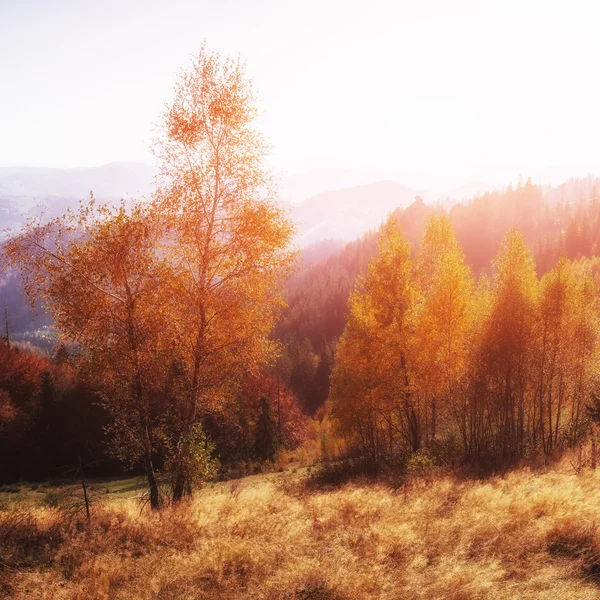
524	534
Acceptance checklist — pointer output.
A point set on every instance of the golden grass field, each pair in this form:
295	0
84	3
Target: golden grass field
524	535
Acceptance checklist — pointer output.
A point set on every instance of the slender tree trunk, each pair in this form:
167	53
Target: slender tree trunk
138	390
182	481
542	390
178	487
278	403
6	323
411	416
151	475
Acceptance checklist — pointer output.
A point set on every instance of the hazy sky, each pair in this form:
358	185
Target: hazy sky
455	89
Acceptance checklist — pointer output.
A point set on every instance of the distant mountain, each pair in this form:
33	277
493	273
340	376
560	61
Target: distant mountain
119	178
22	189
347	213
108	181
326	204
10	213
295	188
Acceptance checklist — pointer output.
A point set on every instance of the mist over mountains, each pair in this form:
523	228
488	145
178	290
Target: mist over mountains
330	207
325	203
24	190
112	180
347	213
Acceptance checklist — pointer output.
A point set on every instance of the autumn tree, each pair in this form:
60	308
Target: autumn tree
101	278
225	239
372	392
173	300
443	321
509	343
554	355
473	412
508	364
584	352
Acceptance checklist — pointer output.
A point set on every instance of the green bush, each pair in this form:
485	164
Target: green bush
419	464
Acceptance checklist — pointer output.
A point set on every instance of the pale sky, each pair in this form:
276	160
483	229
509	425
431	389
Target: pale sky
451	88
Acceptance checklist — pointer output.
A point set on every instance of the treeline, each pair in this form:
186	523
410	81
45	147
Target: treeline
314	319
53	413
50	417
484	371
317	309
555	222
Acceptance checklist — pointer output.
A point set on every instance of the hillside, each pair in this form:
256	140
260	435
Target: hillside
318	293
524	535
347	213
308	310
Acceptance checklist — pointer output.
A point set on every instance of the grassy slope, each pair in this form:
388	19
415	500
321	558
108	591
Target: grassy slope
522	536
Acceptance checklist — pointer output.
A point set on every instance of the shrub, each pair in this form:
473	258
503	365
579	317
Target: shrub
570	539
23	542
338	473
419	464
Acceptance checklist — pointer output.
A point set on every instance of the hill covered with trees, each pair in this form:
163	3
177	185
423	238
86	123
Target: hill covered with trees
555	222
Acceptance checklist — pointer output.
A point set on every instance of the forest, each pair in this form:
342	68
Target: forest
55	409
194	340
445	361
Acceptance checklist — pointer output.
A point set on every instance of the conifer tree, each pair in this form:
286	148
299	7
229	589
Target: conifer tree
266	443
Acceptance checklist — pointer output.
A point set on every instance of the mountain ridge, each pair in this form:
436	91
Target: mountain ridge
324	203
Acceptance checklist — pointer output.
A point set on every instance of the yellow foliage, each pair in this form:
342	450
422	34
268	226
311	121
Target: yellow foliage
494	371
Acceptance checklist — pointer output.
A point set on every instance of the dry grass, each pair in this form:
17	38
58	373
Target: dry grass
521	536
